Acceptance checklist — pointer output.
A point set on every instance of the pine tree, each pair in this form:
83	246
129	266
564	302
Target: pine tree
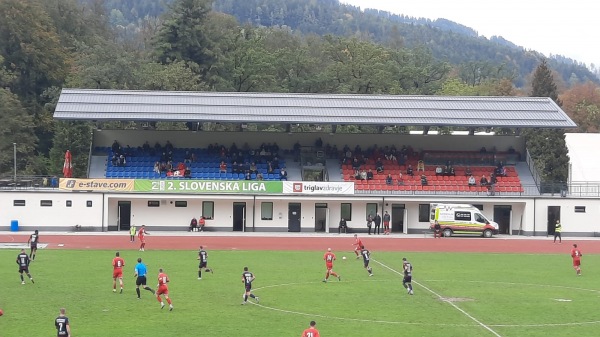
547	147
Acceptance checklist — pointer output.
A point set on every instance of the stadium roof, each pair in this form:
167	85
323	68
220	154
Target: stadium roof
234	107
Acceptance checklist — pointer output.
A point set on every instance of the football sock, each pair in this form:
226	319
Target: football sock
245	298
199	273
22	280
169	301
137	290
149	289
158	298
252	295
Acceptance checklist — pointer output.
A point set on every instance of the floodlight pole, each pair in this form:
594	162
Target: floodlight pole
15	161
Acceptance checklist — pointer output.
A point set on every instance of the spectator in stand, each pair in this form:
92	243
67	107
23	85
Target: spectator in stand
355	164
201	223
379	165
259	176
370	175
424	180
193	225
116	147
472	181
283	174
187	173
502	172
389	180
234	167
240	167
409	170
157	167
247	176
483	181
468	172
452	172
188	157
363	175
343	226
275	163
439	171
122	160
270	169
180	167
391	155
493	179
400	179
223	167
253	168
115	160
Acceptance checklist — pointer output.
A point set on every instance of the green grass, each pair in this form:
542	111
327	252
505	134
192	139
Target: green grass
513	294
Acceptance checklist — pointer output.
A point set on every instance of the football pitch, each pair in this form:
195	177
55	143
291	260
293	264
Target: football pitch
455	294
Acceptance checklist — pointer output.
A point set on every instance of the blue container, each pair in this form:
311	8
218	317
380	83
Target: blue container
14	225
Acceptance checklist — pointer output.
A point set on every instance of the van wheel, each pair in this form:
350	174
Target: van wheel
487	233
447	232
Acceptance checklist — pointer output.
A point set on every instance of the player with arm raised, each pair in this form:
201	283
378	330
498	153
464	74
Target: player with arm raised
247	279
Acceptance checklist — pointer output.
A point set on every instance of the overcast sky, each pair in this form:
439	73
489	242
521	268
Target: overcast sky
568	28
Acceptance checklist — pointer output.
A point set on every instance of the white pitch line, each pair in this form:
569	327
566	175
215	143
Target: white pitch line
441	298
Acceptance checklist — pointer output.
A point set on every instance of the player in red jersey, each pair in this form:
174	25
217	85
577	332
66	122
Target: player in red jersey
329	257
359	246
311	331
142	236
576	255
118	264
163	289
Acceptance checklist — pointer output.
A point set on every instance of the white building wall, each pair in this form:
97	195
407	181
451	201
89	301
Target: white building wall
56	217
573	223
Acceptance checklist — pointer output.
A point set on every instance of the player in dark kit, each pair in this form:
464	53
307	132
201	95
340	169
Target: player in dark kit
407	281
33	241
203	257
23	262
247	279
366	254
63	327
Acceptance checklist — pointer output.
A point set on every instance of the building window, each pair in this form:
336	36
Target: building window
478	206
266	211
69	203
153	203
371	210
579	209
46	203
88	203
208	210
181	203
347	211
18	202
424	212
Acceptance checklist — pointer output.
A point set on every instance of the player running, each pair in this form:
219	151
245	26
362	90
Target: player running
247	279
163	289
576	255
366	254
407	280
140	274
329	257
358	246
118	264
142	236
23	262
203	257
33	241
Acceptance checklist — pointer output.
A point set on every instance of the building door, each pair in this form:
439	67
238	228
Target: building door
321	215
294	216
553	215
239	216
502	214
397	218
124	215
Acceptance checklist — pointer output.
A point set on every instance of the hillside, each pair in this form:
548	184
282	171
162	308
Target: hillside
449	41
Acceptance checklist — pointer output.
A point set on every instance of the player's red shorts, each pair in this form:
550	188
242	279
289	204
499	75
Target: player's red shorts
162	290
576	262
142	239
329	266
118	273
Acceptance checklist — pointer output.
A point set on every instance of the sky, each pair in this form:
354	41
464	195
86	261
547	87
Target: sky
568	28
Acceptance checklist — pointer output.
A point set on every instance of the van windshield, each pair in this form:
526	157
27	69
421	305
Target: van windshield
480	218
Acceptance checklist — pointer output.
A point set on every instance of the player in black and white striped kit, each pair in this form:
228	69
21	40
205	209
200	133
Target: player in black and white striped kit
203	257
33	241
407	280
366	254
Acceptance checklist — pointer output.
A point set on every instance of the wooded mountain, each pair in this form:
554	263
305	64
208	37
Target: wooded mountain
448	41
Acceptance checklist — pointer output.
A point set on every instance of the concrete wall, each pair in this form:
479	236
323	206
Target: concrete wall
529	216
201	139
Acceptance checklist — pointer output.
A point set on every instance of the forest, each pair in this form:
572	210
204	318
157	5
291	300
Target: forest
46	45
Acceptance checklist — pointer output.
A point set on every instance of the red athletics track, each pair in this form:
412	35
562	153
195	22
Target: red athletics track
164	241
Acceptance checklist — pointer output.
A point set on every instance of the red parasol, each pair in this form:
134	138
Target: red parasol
68	166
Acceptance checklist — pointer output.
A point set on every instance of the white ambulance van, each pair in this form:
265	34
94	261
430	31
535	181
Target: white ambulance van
461	219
